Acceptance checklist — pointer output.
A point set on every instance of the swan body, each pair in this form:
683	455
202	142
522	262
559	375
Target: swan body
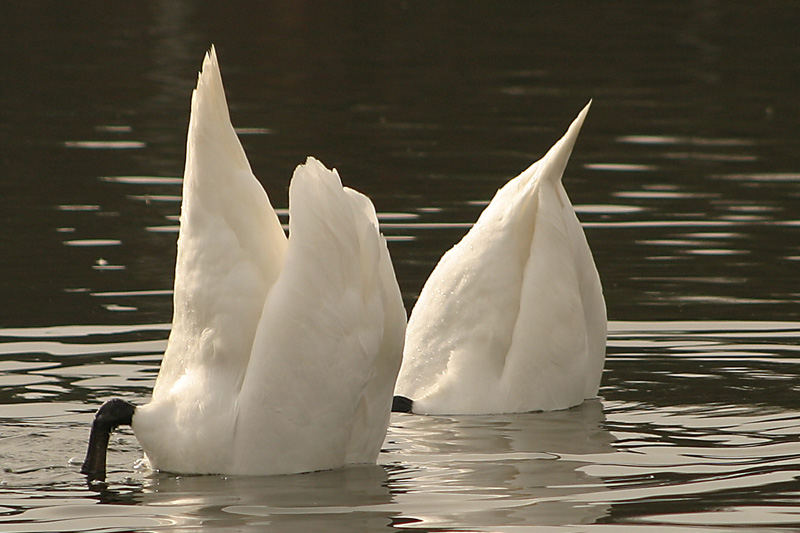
283	352
512	319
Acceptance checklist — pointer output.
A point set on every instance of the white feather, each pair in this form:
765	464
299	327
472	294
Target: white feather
283	353
512	319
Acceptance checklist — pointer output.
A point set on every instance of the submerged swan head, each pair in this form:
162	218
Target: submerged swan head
110	416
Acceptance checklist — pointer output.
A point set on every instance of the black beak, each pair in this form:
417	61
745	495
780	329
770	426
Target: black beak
111	414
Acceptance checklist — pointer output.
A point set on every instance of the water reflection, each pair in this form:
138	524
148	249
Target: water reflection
282	503
684	424
520	468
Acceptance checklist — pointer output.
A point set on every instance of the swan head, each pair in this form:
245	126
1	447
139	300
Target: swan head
111	414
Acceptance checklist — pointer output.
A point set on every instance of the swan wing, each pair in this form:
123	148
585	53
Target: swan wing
558	346
590	292
230	250
503	311
317	392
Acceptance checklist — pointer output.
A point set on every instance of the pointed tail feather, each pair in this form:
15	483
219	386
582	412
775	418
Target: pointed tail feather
557	157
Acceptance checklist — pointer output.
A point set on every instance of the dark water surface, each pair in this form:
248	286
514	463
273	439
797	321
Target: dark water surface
686	177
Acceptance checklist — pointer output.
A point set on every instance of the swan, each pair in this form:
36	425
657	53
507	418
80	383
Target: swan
283	353
512	318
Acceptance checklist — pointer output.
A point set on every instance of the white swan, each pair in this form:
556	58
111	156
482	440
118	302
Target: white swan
283	353
512	319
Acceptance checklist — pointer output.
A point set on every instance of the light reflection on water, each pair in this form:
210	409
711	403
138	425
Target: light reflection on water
685	430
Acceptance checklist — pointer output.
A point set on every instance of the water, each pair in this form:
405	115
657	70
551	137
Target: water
686	177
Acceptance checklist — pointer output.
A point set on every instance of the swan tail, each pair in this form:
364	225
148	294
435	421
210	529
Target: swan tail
554	162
